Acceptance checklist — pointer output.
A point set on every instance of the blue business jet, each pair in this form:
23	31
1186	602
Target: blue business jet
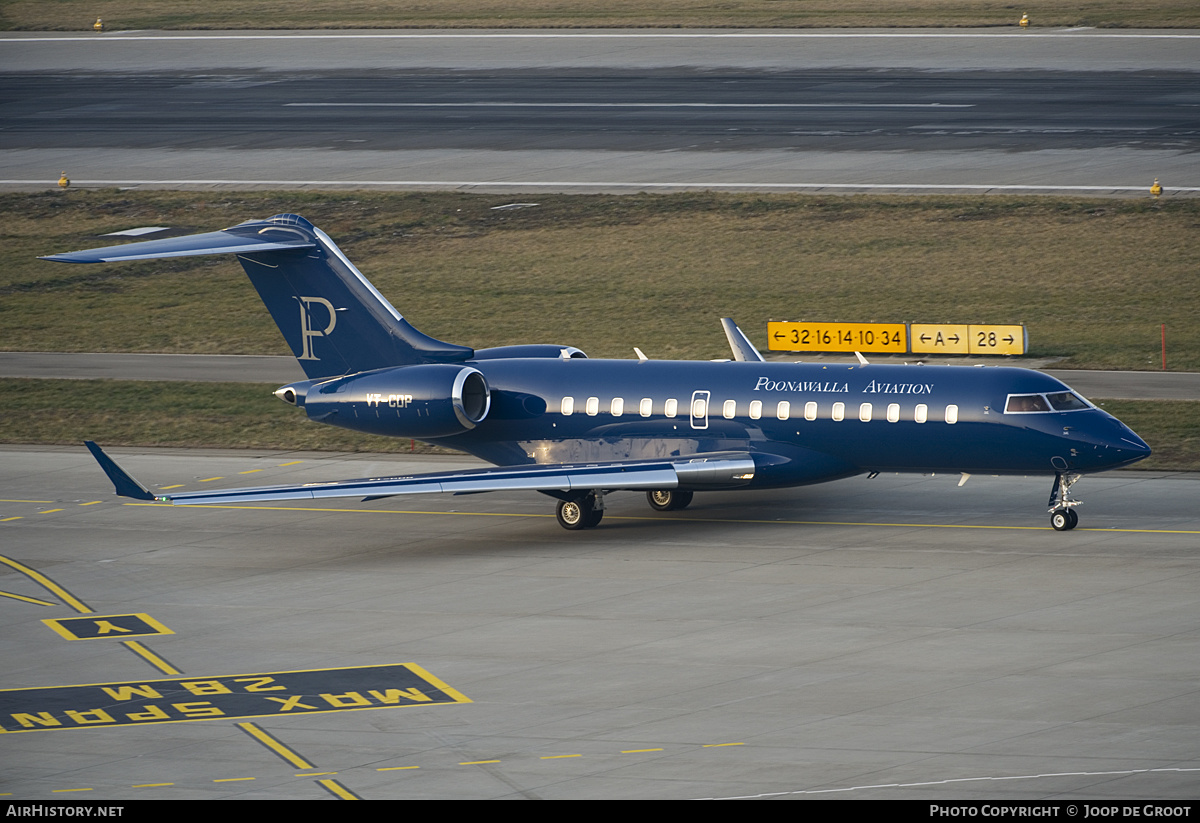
551	420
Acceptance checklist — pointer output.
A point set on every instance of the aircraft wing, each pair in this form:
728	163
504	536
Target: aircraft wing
718	470
743	349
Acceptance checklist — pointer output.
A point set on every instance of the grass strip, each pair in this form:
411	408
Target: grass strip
75	15
1093	280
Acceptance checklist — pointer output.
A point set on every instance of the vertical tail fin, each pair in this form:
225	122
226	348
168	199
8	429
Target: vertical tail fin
333	319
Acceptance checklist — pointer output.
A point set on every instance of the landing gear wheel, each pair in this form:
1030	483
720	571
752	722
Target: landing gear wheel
669	500
1064	520
574	515
581	513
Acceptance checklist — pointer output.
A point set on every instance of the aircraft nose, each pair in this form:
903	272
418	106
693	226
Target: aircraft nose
1134	444
1120	445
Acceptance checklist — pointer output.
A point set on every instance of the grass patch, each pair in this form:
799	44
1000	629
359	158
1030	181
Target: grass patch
186	415
238	415
1092	279
1170	427
68	15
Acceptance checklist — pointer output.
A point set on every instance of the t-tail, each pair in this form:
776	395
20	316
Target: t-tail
335	321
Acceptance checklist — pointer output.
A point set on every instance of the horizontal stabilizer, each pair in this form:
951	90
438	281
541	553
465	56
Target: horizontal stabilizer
229	241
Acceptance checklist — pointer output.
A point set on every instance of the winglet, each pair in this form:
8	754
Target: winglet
125	485
743	349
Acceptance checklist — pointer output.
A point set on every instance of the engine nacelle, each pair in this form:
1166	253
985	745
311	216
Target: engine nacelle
425	401
541	350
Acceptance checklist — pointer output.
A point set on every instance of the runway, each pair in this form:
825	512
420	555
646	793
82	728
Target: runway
899	637
1081	112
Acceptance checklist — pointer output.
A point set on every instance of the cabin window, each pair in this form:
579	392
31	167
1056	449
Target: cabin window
810	410
755	409
618	406
952	414
839	411
671	407
593	406
729	409
699	407
784	410
568	405
864	412
921	413
647	407
893	414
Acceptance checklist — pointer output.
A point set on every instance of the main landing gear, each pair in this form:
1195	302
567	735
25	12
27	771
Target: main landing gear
583	512
669	500
586	510
1063	516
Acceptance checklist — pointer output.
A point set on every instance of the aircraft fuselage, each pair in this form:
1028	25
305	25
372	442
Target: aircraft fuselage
821	421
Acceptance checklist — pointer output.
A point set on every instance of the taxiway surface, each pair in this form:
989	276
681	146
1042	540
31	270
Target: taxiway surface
898	637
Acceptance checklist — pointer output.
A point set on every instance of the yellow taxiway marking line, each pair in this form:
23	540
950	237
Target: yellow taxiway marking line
264	737
250	471
680	519
338	790
150	657
210	479
25	501
49	511
64	595
33	600
293	463
56	791
6	519
91	503
176	486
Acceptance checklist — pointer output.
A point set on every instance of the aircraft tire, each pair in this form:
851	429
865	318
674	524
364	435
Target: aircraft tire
1064	520
594	518
576	514
669	500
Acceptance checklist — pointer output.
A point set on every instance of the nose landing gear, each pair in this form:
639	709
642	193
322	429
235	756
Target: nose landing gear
1063	516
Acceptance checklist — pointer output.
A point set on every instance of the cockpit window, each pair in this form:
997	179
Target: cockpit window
1026	403
1031	403
1066	401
